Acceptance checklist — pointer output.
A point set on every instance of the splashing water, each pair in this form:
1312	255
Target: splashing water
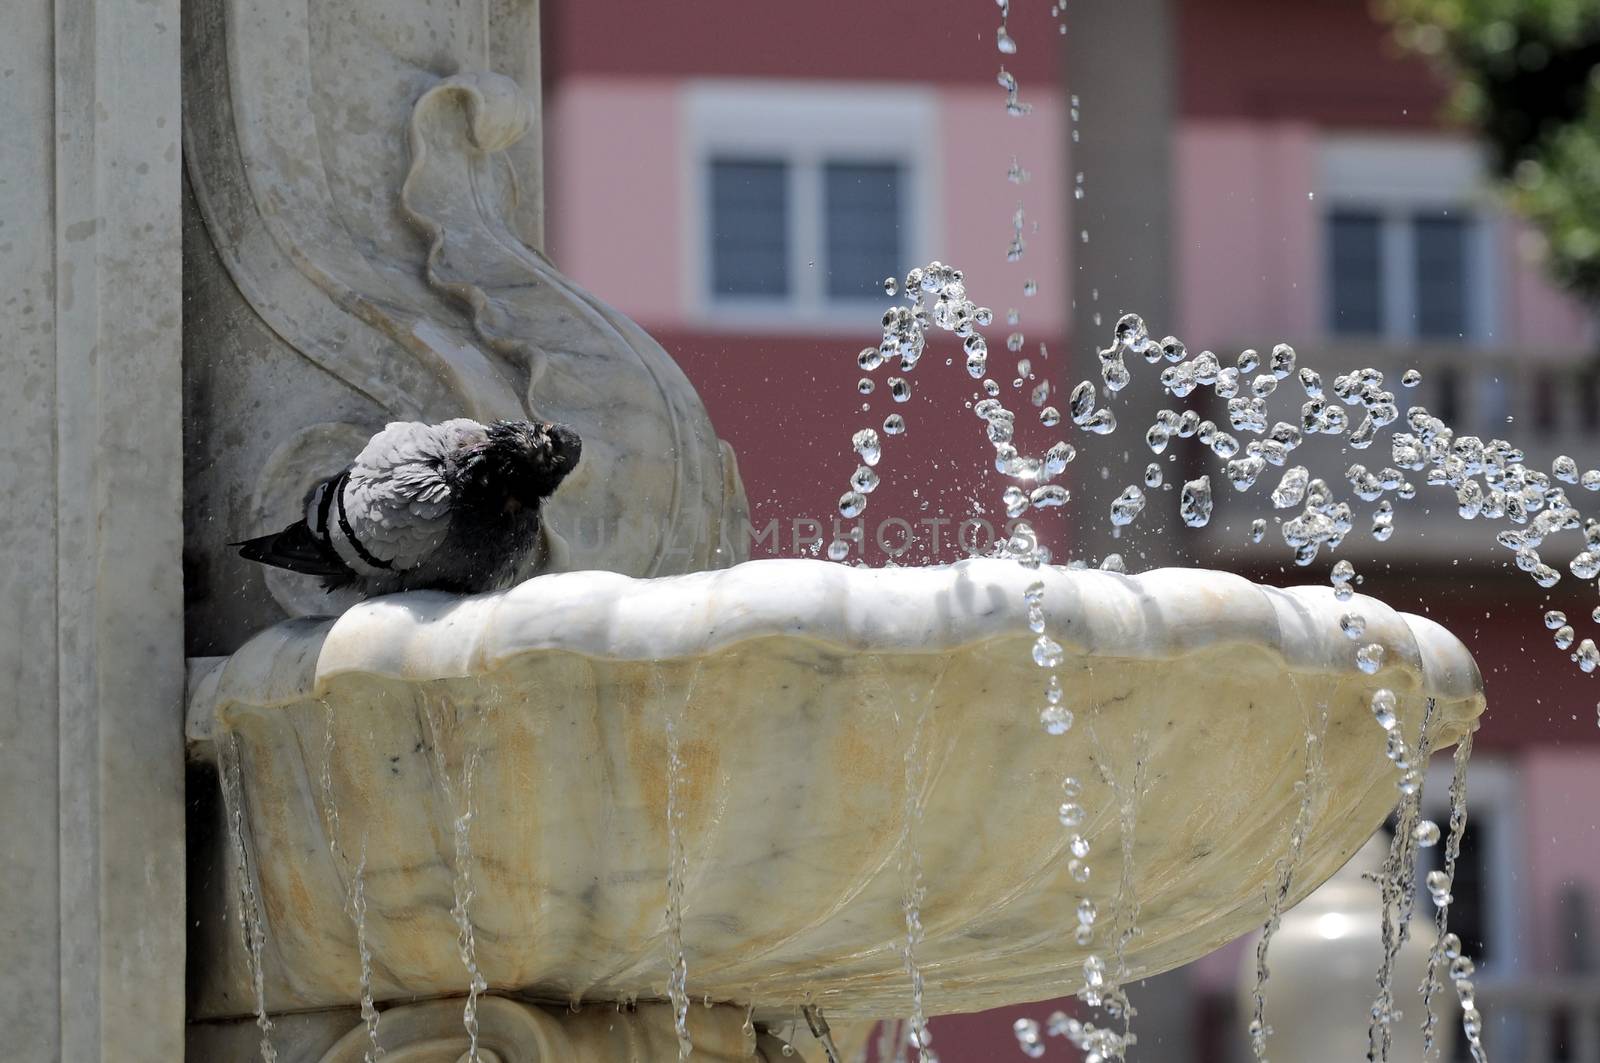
938	299
458	797
356	894
247	907
1310	787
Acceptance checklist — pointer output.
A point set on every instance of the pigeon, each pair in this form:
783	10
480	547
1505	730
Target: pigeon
453	506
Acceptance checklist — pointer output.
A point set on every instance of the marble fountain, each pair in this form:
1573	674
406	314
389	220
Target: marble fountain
794	688
534	825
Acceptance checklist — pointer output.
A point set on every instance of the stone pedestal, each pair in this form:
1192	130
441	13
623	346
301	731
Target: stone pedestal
91	644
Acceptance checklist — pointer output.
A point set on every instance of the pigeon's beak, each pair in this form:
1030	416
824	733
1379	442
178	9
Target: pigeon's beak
566	447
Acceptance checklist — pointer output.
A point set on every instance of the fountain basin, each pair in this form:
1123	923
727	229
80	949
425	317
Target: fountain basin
795	688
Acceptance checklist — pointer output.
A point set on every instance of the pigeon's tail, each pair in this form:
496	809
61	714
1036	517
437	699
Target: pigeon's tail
298	550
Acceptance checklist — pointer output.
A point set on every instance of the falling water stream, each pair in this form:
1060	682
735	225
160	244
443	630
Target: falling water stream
677	860
441	720
356	892
913	891
1310	786
1447	946
252	926
1398	876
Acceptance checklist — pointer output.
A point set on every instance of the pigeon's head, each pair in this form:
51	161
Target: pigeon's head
529	459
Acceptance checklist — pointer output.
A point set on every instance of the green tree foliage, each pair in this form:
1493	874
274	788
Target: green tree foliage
1528	77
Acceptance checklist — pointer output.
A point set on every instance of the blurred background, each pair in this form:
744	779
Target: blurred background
1409	186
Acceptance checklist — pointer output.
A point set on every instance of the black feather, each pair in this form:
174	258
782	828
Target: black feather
297	550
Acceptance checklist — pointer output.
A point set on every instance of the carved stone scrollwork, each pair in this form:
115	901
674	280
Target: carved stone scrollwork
361	246
512	1032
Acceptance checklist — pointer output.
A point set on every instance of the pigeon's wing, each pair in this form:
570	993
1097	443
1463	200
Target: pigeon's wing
396	502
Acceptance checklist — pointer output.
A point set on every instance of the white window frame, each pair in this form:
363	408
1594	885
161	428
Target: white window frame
1494	797
1397	178
805	124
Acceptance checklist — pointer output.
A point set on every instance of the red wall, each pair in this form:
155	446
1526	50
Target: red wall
788	405
859	40
1327	62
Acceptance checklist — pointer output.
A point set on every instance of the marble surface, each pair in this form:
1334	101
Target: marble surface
794	689
91	632
363	223
510	1031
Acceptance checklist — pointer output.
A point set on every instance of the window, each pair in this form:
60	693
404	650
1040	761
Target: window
751	217
750	227
1442	275
805	197
861	205
1355	273
1408	256
1367	253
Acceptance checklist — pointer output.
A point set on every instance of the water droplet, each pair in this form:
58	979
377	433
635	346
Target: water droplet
852	504
1047	652
1057	720
1354	625
1383	703
1050	496
866	444
1369	658
1126	507
1427	834
894	425
1195	502
890	286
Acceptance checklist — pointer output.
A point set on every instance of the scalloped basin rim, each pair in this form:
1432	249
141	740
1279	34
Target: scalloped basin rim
1158	615
824	715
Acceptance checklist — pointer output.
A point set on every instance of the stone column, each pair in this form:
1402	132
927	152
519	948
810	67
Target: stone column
1122	64
91	612
1128	96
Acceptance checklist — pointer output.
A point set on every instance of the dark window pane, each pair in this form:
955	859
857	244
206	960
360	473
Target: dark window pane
1355	274
1469	912
1441	276
861	204
749	227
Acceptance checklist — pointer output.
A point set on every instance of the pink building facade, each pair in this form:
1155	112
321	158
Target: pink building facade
1297	133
